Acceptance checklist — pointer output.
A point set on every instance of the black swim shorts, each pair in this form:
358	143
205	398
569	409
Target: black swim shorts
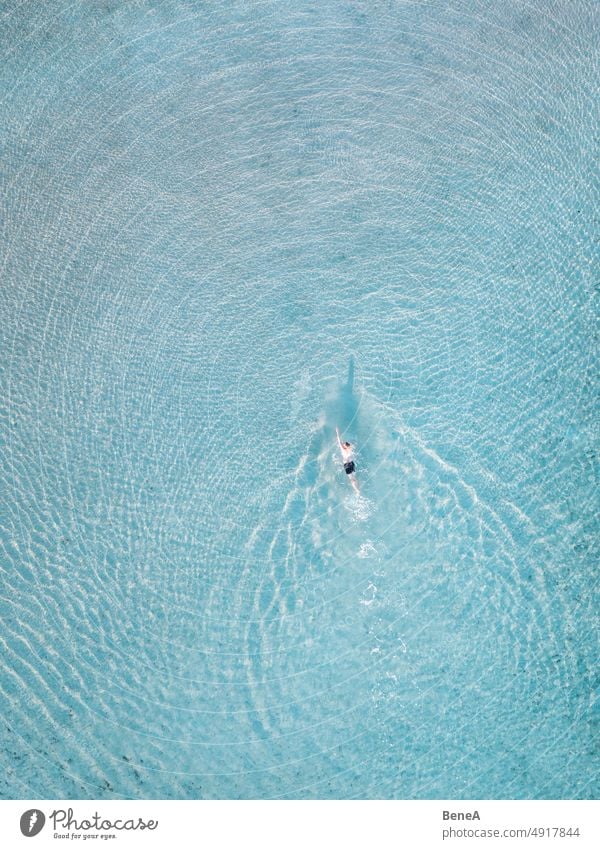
349	467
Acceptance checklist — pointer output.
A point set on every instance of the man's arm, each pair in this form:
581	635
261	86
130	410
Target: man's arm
337	433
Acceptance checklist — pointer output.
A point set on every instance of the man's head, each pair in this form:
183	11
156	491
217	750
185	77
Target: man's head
346	445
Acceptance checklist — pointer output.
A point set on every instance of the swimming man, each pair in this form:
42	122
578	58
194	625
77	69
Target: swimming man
348	461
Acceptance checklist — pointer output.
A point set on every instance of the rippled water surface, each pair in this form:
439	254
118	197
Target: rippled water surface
226	229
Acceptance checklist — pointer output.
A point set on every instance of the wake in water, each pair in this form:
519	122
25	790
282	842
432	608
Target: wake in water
312	521
362	421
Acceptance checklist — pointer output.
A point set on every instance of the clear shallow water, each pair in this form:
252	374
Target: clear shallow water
223	233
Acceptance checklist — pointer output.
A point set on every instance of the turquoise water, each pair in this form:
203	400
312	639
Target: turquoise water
226	229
